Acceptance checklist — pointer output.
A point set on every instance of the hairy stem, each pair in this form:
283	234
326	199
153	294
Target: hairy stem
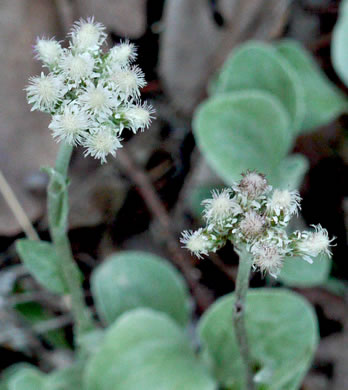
242	284
58	222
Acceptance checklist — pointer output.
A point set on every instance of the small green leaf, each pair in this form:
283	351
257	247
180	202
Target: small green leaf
242	130
146	350
34	313
69	378
336	286
299	273
282	331
257	65
323	100
89	341
339	44
10	371
137	279
290	172
41	260
27	379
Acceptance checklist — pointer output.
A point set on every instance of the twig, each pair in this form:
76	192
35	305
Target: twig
52	324
17	209
155	205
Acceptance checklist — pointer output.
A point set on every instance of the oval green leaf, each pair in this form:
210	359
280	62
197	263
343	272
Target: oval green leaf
146	350
323	100
257	65
282	331
339	44
290	172
27	379
242	130
42	262
299	273
69	378
130	280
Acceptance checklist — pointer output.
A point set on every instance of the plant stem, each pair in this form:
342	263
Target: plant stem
58	222
242	284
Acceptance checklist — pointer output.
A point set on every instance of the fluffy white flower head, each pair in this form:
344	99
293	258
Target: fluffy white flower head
71	125
128	81
92	95
87	34
123	54
267	259
253	184
44	92
314	243
284	201
77	67
220	206
98	99
252	224
102	142
48	51
139	117
195	242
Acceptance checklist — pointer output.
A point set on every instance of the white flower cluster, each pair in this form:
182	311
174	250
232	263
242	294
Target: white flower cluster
92	95
252	215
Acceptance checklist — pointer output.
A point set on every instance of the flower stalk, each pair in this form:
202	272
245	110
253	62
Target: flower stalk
242	285
57	215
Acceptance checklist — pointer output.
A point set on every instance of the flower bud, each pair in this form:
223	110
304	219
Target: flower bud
252	225
253	184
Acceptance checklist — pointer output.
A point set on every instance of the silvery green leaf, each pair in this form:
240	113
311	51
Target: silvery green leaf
339	44
27	378
242	130
134	279
41	260
283	336
290	172
323	100
69	378
257	65
146	350
297	272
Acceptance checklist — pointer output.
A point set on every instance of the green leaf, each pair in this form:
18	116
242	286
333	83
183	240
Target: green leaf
282	331
257	65
242	130
34	313
137	279
27	379
41	260
66	379
336	286
299	273
323	100
146	350
10	371
339	44
290	172
89	341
